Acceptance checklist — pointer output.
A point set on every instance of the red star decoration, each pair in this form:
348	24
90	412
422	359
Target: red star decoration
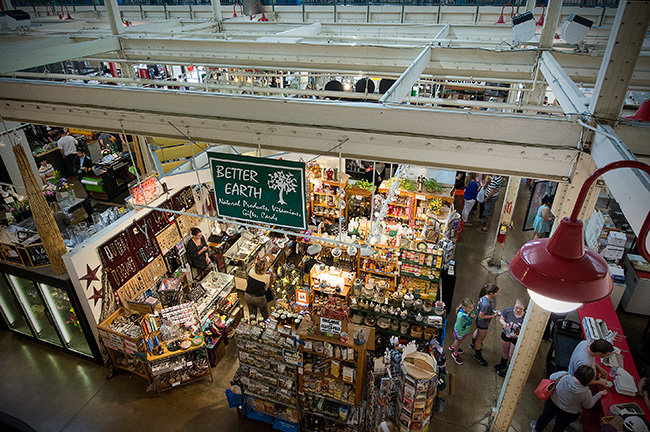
91	275
97	295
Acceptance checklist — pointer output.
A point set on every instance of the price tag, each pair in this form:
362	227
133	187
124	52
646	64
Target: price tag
189	363
178	368
175	384
420	197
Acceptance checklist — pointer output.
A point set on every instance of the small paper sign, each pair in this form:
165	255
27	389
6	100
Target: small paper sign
332	326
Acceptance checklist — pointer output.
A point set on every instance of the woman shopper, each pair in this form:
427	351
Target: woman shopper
471	191
464	317
512	318
485	313
570	396
197	250
258	282
544	218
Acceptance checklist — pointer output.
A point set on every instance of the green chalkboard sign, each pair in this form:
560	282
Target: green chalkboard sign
251	189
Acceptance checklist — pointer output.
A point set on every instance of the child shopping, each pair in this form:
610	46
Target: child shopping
464	317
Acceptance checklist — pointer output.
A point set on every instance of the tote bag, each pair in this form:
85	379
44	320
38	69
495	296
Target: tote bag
481	195
546	388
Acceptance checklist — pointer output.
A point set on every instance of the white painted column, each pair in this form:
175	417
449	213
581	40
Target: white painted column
506	218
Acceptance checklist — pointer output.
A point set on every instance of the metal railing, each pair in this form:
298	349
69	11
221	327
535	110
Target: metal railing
474	3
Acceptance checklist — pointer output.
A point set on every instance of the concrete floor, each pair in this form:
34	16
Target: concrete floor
54	391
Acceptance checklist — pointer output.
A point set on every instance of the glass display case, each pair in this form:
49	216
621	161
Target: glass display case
241	256
38	304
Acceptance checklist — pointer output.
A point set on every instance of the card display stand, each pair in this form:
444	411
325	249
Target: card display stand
268	372
419	386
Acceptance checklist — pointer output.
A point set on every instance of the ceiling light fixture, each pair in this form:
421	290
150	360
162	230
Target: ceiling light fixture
560	272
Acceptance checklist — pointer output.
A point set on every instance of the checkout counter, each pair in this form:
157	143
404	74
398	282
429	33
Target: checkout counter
111	177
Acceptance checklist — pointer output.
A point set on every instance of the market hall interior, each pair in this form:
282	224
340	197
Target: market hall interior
51	390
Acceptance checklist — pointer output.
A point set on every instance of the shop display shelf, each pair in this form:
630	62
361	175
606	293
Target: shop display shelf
343	293
399	205
132	370
425	277
411	262
378	273
325	214
410	321
328	397
270	399
398	217
322	375
272	372
325	194
272	382
332	418
192	379
256	342
380	259
285	424
437	252
324	205
398	334
354	362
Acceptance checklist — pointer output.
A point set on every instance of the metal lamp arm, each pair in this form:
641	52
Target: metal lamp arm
643	233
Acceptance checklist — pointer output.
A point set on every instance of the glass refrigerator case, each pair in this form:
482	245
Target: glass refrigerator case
45	308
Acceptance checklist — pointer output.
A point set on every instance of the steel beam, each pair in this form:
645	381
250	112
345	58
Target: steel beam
293	35
625	41
477	141
402	87
571	98
24	56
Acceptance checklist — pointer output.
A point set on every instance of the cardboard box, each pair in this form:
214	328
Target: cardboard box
616	238
613	252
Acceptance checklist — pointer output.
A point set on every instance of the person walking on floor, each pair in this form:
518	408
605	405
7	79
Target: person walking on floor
570	396
491	197
512	318
258	282
471	192
485	311
544	218
464	317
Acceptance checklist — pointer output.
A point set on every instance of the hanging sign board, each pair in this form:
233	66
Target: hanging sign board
251	189
330	326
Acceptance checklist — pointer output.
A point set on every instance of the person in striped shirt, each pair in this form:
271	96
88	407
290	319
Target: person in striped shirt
491	196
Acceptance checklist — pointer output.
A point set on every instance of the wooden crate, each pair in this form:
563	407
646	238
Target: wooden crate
118	341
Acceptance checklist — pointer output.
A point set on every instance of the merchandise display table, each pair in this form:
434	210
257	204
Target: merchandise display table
604	310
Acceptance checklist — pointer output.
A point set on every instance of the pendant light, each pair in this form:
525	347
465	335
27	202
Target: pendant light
560	272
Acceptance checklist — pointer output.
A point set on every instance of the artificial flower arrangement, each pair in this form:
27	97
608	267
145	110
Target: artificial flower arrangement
19	207
64	186
314	169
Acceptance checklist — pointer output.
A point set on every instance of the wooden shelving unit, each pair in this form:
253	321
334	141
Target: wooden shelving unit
324	199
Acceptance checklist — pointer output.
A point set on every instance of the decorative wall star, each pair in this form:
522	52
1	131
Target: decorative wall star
91	275
99	293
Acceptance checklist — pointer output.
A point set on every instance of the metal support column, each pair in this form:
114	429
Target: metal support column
114	18
627	35
551	20
520	365
216	11
505	219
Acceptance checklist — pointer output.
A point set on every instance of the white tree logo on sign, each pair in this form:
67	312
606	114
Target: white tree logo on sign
284	182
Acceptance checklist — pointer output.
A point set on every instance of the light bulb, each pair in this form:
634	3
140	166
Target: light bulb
553	305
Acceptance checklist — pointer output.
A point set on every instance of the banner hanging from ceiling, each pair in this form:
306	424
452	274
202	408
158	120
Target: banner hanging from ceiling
250	189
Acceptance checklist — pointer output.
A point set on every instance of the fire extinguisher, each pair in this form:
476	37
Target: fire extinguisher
503	230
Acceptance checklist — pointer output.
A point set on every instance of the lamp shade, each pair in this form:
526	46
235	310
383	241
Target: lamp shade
561	269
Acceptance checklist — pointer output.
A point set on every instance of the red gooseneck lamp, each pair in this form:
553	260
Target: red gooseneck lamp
560	272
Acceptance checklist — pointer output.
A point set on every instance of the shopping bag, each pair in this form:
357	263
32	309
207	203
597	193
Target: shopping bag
481	195
545	389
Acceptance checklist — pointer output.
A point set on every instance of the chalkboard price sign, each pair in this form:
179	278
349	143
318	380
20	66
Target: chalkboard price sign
259	190
37	255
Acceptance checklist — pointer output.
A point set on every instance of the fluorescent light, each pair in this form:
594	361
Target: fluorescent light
26	305
55	312
7	311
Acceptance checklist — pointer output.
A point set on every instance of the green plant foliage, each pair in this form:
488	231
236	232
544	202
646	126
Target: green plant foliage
409	185
364	184
433	185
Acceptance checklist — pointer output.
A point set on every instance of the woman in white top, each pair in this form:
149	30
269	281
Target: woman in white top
570	396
